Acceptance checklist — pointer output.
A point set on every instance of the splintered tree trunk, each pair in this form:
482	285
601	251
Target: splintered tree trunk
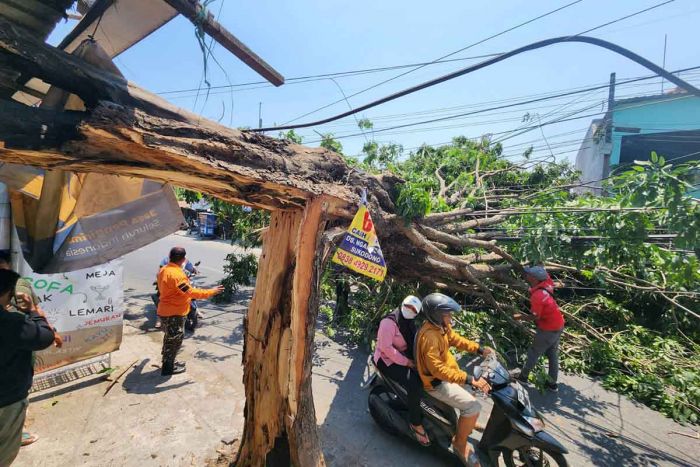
280	420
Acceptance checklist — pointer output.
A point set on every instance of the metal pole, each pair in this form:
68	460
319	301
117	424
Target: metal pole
664	64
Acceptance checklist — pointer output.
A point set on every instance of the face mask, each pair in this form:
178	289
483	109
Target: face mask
408	313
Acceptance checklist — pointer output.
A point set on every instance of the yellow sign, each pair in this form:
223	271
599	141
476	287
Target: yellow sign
360	250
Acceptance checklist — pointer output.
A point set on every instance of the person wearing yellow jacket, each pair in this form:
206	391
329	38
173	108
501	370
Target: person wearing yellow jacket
176	293
439	372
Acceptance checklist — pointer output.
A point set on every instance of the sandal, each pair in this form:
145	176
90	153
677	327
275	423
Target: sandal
422	438
28	438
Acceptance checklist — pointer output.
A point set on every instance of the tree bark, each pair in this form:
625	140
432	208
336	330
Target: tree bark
280	420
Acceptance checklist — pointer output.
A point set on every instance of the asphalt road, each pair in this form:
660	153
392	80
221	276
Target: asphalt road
141	266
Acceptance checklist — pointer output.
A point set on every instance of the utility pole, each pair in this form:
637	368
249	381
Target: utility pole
609	127
259	115
664	64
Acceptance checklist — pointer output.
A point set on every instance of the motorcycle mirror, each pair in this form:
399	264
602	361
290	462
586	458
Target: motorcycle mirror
197	263
493	342
477	372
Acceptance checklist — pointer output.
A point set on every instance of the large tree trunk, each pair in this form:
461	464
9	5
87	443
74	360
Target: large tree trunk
129	131
280	420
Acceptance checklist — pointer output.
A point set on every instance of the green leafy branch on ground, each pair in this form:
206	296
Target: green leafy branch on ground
626	263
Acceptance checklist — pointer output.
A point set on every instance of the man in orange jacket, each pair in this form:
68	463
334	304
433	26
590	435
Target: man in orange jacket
176	293
438	369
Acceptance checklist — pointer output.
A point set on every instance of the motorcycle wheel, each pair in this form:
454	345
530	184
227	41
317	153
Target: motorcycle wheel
386	397
530	456
191	321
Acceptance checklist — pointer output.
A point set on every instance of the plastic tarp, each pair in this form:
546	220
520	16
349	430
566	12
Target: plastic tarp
67	221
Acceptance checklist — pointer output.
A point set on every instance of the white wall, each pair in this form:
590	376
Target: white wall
590	159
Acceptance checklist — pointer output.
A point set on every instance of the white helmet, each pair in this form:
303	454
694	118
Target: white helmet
410	307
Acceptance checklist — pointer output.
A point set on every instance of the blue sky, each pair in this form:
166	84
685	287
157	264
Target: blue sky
308	37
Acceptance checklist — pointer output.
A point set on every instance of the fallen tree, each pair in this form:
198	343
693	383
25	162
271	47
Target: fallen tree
126	130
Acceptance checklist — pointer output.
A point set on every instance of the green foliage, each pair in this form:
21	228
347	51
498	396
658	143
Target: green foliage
381	157
189	196
413	201
242	223
370	301
328	142
291	136
365	124
240	270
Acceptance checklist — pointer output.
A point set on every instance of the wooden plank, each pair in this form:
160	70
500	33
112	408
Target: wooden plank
192	10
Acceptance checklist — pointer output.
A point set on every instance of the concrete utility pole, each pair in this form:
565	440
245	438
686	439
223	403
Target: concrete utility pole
609	127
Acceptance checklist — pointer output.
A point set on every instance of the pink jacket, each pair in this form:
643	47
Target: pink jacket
390	344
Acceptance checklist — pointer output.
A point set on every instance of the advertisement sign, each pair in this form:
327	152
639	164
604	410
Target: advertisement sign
87	309
67	221
360	250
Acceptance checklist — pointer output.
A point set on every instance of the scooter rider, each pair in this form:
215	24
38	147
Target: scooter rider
439	372
394	358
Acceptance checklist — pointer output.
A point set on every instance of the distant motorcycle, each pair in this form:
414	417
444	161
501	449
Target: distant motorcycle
192	318
515	430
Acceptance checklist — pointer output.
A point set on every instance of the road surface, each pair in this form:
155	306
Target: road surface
148	420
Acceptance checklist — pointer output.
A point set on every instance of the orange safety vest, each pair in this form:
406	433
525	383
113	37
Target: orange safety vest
176	292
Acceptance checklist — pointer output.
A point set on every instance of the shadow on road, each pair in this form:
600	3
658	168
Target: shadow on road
599	431
140	382
349	435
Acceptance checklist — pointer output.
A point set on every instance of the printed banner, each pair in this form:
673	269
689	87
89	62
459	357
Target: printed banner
68	221
360	250
87	309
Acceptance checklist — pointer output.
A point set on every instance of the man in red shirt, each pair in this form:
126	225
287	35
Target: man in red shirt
550	324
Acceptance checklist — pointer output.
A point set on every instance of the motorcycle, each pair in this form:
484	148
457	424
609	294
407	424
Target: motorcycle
515	430
192	318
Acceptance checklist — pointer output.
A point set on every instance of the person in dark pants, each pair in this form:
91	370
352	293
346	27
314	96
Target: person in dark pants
550	324
23	286
176	293
23	330
394	358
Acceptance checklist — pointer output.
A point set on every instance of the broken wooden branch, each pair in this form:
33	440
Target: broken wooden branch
116	380
200	17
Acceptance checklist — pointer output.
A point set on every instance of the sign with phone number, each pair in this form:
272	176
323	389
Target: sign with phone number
360	250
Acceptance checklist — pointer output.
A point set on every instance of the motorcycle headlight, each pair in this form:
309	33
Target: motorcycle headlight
537	424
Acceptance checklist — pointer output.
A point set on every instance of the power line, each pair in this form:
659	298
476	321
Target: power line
339	74
499	107
443	110
443	57
481	65
626	17
557	121
534	46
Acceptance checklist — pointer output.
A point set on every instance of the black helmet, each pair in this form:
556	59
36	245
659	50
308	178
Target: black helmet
436	304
